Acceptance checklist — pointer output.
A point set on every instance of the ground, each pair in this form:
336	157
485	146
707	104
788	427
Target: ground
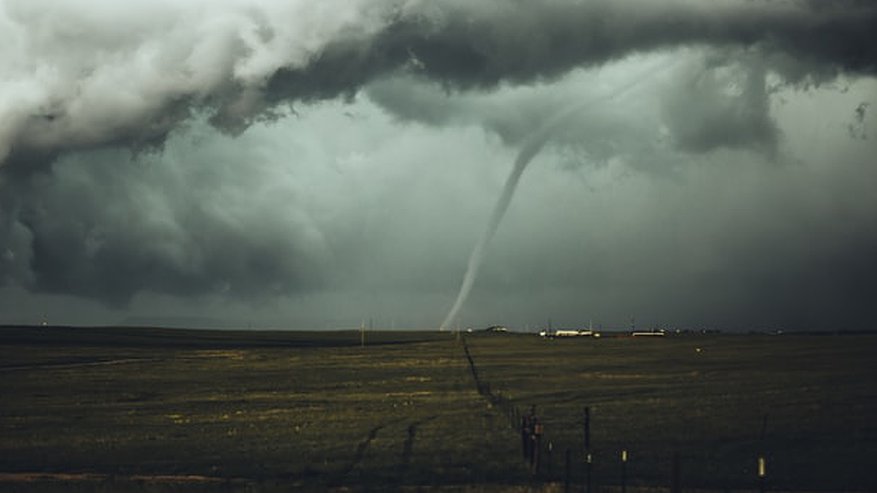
115	409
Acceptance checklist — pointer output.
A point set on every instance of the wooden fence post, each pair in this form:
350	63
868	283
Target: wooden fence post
624	471
762	464
589	459
762	473
587	451
549	453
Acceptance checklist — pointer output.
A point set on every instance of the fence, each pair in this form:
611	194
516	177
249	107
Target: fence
578	472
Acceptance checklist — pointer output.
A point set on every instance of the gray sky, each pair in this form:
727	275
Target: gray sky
316	164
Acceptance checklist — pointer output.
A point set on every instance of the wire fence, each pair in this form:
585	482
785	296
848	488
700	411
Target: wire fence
588	469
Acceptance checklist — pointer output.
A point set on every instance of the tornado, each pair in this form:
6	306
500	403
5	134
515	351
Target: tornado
530	148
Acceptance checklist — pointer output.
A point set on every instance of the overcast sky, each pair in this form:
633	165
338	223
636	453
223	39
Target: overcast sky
308	164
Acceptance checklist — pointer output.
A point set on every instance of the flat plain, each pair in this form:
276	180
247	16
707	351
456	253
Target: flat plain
124	409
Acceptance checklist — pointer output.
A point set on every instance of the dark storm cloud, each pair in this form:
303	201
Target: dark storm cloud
711	99
109	86
106	227
722	104
461	45
83	80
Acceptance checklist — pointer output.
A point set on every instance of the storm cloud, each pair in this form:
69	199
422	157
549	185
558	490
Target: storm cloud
255	150
87	74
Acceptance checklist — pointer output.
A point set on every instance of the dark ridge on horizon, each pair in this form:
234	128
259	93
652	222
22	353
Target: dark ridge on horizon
206	338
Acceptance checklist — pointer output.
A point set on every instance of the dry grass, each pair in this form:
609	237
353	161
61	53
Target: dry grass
143	411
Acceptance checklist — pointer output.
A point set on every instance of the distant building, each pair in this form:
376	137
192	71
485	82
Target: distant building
567	333
648	333
570	333
496	328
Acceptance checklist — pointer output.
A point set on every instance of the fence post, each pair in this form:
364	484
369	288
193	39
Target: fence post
762	464
549	454
588	458
762	473
537	443
624	471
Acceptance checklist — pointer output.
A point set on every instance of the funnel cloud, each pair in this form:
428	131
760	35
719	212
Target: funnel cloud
531	146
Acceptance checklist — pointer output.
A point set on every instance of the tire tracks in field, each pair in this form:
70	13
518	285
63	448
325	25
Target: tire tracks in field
362	446
409	443
407	447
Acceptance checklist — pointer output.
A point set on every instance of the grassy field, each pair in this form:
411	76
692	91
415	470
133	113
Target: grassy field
167	410
704	397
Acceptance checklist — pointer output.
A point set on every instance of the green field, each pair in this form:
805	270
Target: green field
169	410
